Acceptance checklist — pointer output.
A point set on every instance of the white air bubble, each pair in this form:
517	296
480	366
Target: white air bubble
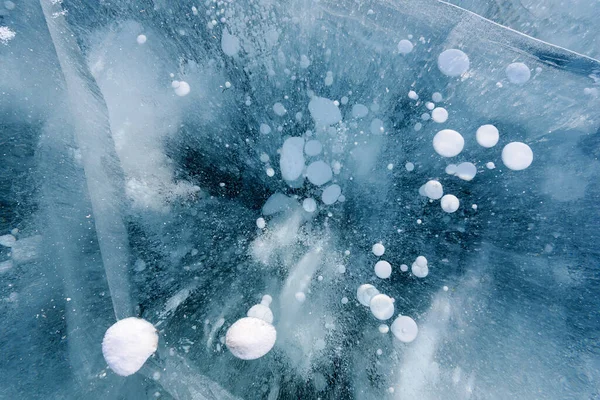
487	135
309	205
383	269
405	329
439	115
450	203
405	46
518	73
453	62
378	249
517	156
448	143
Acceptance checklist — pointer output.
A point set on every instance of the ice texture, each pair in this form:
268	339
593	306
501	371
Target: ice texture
201	164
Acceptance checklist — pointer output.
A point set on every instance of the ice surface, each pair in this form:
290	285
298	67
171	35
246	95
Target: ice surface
176	161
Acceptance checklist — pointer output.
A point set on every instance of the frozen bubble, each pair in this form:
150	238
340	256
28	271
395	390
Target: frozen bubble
9	5
445	288
405	46
453	62
344	300
319	173
378	249
451	169
127	345
405	329
331	194
413	95
183	89
7	240
409	166
141	39
304	61
518	73
261	311
265	129
313	148
390	166
421	261
448	143
433	189
436	97
329	78
359	111
365	293
450	203
383	328
404	268
300	297
382	307
230	44
383	269
379	352
517	156
279	109
309	205
466	171
474	206
344	100
439	115
377	127
291	161
487	135
266	300
270	172
324	111
490	165
419	271
250	338
227	84
425	116
418	126
429	105
260	222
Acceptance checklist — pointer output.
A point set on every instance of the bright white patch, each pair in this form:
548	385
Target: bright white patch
448	143
490	165
319	173
409	166
261	311
365	293
359	111
279	109
487	135
229	44
378	249
421	261
250	338
450	203
405	46
300	297
331	194
517	156
403	267
383	328
518	73
383	269
453	62
439	115
413	95
405	329
309	205
466	171
324	111
429	105
420	271
433	189
127	345
183	89
260	223
141	39
6	34
265	129
376	127
291	161
382	307
7	240
313	148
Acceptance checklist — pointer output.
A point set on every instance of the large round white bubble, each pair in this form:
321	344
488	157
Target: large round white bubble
450	203
517	156
419	271
331	194
453	62
465	171
433	189
439	115
405	329
127	344
378	249
405	46
319	173
383	269
309	205
487	135
250	338
448	143
518	73
382	307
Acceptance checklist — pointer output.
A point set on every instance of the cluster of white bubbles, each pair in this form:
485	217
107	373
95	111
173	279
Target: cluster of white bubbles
419	267
253	336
